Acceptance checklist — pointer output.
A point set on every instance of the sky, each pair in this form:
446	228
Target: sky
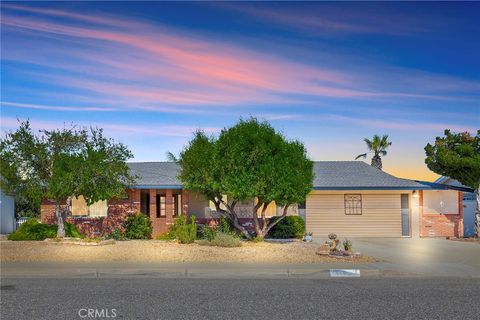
328	74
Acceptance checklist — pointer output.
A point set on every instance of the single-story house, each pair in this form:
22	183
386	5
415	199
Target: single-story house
349	198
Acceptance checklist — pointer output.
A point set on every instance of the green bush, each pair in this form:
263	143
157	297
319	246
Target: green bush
33	230
138	226
288	228
184	231
208	233
225	225
71	231
117	234
165	236
221	239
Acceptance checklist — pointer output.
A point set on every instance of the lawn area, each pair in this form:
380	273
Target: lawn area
163	251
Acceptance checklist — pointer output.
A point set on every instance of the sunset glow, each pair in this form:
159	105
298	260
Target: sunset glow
328	74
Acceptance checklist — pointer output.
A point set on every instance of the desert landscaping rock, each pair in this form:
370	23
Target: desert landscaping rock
163	251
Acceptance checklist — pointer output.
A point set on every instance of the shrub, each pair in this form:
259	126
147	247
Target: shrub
221	239
347	245
288	228
208	233
165	236
138	226
33	230
225	225
117	234
184	231
71	231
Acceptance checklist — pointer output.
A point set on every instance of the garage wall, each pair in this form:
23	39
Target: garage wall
441	213
7	213
381	214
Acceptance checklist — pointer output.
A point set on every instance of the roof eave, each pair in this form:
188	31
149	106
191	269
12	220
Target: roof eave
375	188
156	187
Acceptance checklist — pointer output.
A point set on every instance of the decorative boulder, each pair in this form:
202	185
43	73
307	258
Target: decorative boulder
324	250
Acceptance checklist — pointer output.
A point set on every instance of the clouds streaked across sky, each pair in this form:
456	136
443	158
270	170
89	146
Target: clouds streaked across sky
326	73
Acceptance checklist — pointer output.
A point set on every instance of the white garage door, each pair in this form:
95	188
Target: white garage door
354	214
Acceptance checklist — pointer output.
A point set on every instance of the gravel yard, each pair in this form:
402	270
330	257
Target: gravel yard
162	251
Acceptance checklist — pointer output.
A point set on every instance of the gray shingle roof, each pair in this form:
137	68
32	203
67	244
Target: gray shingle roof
328	175
356	174
155	173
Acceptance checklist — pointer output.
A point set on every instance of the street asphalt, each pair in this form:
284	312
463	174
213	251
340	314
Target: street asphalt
143	298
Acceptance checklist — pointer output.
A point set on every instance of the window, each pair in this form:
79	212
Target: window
161	205
97	209
177	204
353	204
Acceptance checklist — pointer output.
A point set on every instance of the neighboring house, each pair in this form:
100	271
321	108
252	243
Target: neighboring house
7	213
349	198
469	205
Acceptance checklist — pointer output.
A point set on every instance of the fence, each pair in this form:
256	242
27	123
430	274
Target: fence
20	221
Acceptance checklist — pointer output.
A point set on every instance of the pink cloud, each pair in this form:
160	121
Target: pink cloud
161	67
208	64
330	21
56	108
115	129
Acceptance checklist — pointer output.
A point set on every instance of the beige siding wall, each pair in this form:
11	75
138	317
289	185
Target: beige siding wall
381	214
197	205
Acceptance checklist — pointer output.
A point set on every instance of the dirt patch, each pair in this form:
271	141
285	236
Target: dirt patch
162	251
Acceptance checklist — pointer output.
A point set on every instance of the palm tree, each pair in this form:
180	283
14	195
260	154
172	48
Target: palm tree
378	146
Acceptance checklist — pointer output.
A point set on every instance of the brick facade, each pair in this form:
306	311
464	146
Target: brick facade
119	210
441	225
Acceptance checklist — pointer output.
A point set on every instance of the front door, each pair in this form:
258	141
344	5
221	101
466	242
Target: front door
405	215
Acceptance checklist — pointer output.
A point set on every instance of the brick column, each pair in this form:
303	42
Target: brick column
420	211
135	194
185	202
169	206
460	215
153	203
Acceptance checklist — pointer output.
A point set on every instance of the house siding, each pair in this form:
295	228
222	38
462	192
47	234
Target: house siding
381	214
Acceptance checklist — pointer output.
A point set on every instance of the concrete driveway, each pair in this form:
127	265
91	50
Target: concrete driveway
428	257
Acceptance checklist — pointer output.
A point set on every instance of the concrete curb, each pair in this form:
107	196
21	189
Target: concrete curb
193	273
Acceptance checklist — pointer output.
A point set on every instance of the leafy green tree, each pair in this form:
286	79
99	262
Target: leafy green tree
61	164
378	147
457	155
247	161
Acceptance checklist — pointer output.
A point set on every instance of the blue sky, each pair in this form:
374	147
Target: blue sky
328	74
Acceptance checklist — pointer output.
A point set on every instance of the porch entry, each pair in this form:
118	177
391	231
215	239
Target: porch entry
405	205
157	207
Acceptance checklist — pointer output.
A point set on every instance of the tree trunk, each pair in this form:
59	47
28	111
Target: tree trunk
232	215
477	213
377	162
258	231
59	215
264	219
272	224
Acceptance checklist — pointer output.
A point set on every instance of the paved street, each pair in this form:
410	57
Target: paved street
241	299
